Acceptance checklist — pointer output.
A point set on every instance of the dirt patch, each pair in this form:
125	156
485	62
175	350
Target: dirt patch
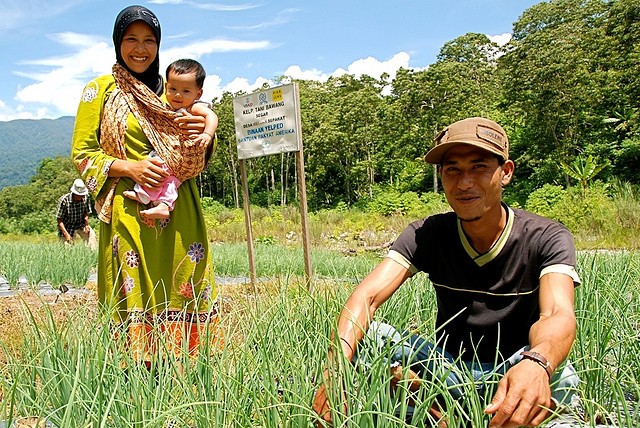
27	310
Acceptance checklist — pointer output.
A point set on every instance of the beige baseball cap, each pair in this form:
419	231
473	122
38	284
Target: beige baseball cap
475	131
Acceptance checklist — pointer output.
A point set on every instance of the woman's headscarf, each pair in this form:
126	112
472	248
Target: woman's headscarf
151	77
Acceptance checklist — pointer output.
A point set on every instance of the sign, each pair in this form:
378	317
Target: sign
267	122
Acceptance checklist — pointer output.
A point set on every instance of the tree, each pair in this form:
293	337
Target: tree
53	179
553	88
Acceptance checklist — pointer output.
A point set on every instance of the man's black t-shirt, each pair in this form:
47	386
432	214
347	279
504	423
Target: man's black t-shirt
486	301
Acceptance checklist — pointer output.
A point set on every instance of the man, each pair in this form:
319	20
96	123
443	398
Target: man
73	215
504	281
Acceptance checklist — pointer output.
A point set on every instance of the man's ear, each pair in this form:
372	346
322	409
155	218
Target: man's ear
507	171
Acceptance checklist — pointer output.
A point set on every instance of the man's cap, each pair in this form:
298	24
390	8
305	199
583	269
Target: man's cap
78	188
475	131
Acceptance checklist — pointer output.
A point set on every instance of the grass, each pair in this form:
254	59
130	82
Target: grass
60	361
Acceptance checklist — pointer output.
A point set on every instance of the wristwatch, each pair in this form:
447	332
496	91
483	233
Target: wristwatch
538	358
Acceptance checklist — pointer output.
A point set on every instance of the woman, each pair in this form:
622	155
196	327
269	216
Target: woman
150	273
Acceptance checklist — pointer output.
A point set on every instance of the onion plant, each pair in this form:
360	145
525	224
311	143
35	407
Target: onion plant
78	374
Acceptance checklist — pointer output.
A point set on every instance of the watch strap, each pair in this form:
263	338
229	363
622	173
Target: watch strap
540	359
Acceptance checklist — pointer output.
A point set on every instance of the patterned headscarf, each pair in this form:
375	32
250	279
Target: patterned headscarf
151	77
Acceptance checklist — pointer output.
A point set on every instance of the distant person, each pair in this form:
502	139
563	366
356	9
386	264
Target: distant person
185	79
73	215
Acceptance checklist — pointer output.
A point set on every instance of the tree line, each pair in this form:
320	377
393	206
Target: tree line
566	89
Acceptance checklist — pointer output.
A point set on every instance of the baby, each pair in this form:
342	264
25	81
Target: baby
185	78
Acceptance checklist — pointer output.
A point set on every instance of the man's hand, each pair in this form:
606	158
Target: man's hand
321	404
523	397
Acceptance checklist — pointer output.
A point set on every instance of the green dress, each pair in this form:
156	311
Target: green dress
150	272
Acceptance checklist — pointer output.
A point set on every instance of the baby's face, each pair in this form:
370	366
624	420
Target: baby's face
181	90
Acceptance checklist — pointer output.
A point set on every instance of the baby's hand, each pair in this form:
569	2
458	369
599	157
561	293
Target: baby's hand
201	140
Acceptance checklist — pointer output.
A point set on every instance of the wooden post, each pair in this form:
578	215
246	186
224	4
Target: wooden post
302	189
247	222
304	216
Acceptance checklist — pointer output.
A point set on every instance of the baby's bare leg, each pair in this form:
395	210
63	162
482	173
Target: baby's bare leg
132	195
159	212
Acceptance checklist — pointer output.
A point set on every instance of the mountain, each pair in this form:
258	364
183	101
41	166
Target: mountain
24	143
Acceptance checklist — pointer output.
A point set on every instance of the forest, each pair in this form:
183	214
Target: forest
566	89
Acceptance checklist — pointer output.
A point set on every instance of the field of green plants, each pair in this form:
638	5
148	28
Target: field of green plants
69	369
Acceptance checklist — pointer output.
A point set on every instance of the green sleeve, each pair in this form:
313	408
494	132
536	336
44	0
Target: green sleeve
89	159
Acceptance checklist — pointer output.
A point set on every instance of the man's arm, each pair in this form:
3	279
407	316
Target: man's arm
85	226
63	230
354	319
523	395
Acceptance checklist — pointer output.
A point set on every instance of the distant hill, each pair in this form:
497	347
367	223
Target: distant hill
24	143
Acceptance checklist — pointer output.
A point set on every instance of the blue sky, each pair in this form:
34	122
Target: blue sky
49	49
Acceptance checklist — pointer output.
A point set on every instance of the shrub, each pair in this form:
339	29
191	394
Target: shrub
211	206
390	202
544	201
37	222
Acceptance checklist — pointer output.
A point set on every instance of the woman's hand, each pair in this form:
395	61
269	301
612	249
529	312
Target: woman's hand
149	172
190	124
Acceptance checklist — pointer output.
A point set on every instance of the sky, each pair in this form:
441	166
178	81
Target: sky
49	49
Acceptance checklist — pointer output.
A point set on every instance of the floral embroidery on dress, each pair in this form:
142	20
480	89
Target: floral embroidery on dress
90	92
106	167
92	183
149	222
196	252
82	166
115	246
186	290
164	222
127	285
132	259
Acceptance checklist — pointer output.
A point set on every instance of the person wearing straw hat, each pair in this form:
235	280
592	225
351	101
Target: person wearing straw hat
73	215
504	282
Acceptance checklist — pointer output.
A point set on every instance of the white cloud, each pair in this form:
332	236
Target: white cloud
61	86
375	68
240	84
367	66
59	81
203	47
208	6
500	39
295	72
281	18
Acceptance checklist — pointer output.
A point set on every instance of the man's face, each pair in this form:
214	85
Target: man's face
472	179
77	198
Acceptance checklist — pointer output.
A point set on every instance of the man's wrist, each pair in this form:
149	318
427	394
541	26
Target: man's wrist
540	359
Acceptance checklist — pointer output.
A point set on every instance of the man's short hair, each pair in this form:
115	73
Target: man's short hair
186	66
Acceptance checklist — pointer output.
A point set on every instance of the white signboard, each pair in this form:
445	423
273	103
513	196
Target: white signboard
267	122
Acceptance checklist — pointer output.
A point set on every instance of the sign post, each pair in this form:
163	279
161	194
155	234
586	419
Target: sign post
268	122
